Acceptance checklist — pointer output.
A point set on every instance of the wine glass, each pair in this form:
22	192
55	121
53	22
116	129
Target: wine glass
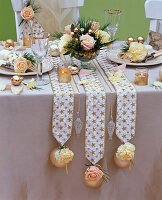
112	17
39	47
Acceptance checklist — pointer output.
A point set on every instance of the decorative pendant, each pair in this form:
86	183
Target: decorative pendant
111	128
78	125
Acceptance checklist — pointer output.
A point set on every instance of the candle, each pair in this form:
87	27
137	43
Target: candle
160	74
141	76
26	42
64	75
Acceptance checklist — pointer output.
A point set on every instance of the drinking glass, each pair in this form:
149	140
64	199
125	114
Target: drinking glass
39	47
112	17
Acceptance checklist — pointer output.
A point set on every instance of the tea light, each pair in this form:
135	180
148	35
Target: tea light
64	75
141	76
160	74
26	42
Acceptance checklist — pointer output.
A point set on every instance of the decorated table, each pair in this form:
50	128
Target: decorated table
28	131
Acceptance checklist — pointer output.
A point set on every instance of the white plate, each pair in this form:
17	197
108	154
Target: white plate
47	66
113	56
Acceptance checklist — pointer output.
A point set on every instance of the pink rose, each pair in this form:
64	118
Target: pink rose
88	42
20	65
27	13
93	173
95	26
68	29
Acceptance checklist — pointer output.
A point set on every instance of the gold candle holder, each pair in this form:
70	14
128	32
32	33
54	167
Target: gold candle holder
160	74
141	76
26	42
64	75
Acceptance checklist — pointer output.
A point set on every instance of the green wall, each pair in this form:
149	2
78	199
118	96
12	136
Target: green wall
133	21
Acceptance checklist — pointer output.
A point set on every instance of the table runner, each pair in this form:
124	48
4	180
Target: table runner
63	105
126	100
95	116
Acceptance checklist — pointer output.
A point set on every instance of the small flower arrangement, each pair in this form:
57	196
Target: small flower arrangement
64	155
94	176
126	152
24	63
83	39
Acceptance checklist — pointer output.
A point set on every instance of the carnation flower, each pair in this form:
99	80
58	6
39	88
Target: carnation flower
126	151
63	42
27	13
87	42
137	52
64	155
93	173
31	84
20	65
68	29
105	37
95	26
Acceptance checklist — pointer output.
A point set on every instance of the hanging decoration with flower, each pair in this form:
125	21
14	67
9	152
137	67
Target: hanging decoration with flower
83	40
125	155
94	176
28	23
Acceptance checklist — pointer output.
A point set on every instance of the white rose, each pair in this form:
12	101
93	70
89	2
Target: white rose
105	37
63	42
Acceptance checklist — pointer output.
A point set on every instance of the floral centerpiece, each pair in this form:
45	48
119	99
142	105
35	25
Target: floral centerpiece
83	40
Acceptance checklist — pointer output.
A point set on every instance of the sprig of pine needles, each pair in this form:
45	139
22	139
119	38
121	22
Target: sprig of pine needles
29	57
125	48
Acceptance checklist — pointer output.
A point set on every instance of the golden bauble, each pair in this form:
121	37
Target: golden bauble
54	161
141	39
130	39
93	183
90	32
72	34
75	30
82	30
16	80
9	43
121	163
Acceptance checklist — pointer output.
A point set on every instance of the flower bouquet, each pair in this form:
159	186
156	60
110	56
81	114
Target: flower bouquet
83	40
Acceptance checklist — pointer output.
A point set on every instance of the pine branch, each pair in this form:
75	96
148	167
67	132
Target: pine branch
29	57
104	26
57	35
125	48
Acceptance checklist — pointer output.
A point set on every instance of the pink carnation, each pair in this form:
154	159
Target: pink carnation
68	29
93	173
88	42
95	26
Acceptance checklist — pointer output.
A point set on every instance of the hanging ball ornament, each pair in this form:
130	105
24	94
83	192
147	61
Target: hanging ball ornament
72	34
75	30
130	39
93	177
121	163
9	43
60	157
141	39
90	32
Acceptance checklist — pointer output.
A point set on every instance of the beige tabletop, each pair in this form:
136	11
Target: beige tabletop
26	141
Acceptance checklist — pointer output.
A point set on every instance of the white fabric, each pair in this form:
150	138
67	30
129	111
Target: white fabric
64	12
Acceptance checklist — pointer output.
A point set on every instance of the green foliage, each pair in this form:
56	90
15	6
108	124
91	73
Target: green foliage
30	57
125	48
57	35
103	28
34	6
